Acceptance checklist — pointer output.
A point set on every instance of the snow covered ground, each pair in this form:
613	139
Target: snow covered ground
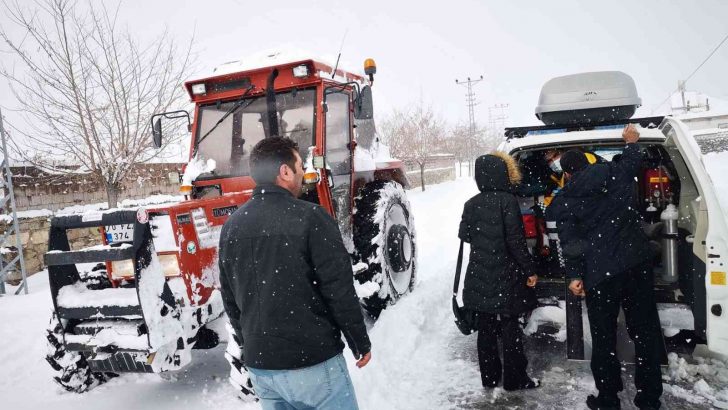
420	360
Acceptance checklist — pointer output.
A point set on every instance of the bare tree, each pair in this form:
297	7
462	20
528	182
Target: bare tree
87	88
414	135
457	144
467	146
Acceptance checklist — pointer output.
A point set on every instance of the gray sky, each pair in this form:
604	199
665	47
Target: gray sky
420	49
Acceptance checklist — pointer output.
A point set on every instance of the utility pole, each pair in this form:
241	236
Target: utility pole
497	117
7	203
471	103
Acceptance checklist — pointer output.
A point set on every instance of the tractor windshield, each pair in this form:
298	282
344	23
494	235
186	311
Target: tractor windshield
230	143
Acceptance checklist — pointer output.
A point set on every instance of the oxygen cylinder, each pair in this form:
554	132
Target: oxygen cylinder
669	244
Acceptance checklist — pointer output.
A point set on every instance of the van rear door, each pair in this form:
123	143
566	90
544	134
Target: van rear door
710	243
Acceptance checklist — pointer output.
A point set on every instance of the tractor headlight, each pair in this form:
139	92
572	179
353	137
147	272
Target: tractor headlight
300	71
198	89
170	264
122	269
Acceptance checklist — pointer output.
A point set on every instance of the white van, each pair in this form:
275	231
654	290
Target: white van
588	111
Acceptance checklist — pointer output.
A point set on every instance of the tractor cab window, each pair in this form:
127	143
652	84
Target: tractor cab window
230	142
338	154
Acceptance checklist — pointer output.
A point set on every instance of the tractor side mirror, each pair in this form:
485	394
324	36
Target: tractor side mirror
364	105
157	124
157	133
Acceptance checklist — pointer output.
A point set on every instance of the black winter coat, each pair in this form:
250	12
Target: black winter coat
287	283
599	229
495	281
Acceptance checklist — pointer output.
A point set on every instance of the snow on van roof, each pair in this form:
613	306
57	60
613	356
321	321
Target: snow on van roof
274	57
576	137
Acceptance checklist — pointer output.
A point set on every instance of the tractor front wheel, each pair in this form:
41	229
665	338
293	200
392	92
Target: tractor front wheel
384	237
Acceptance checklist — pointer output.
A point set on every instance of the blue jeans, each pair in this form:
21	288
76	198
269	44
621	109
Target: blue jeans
324	386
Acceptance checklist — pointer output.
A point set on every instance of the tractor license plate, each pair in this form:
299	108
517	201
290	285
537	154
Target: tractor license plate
119	233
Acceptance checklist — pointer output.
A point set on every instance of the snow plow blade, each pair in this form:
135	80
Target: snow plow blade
113	327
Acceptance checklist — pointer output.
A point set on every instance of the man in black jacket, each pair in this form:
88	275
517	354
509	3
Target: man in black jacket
288	289
607	258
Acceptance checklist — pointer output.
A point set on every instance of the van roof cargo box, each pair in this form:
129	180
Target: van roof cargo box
588	98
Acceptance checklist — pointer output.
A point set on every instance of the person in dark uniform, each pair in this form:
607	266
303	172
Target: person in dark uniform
607	260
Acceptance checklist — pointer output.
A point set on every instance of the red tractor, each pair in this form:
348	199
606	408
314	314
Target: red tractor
146	296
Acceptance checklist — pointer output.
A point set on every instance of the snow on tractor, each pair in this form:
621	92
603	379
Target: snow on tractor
142	299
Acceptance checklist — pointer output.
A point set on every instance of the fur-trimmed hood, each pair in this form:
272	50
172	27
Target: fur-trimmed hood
496	171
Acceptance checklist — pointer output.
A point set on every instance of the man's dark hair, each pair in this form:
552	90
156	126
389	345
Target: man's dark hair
267	157
573	161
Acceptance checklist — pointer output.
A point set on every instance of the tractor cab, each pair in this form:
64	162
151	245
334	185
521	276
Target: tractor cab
307	101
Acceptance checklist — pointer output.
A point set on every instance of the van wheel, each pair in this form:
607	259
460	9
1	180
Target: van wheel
384	237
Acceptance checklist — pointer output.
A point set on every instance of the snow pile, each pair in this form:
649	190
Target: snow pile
32	213
367	159
103	206
675	317
152	200
708	377
163	234
364	159
163	327
282	55
548	315
196	167
366	289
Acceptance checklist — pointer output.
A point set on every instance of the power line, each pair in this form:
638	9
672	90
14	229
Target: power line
471	103
707	58
497	117
694	71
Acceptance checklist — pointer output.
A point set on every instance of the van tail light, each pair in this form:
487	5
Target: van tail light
529	226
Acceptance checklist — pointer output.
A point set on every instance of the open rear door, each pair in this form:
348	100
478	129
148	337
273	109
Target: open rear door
710	243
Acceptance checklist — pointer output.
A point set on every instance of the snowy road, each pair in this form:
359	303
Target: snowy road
420	360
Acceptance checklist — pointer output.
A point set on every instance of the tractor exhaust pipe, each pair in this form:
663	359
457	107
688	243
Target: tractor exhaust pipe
270	99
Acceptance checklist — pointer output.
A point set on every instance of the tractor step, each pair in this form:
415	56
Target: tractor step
121	362
78	302
116	252
123	327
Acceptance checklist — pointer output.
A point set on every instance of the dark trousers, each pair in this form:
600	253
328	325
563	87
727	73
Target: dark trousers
514	360
634	290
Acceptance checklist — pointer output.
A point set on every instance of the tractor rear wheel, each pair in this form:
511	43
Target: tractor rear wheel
384	237
71	369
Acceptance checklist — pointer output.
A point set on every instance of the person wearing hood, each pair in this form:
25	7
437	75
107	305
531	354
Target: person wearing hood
499	272
607	259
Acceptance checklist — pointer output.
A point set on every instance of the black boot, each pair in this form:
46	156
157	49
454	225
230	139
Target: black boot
603	402
525	385
644	404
